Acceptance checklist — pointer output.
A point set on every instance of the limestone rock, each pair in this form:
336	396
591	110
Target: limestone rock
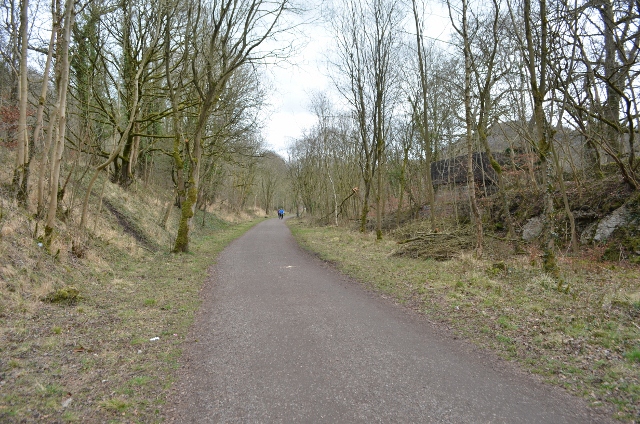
587	234
618	218
532	229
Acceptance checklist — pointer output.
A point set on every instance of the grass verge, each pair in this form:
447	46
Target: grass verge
580	331
110	353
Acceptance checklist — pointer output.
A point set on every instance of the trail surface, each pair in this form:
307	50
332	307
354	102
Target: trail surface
283	338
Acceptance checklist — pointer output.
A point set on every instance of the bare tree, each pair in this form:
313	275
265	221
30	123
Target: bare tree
368	40
10	54
60	113
21	164
39	118
595	70
424	124
125	127
489	69
534	54
462	28
323	111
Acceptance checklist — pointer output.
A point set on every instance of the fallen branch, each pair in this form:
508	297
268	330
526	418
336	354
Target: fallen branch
501	238
353	191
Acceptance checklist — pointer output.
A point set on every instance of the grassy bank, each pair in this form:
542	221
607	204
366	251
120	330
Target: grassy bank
580	331
93	334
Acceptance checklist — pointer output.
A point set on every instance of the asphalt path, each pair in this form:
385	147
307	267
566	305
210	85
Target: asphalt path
283	338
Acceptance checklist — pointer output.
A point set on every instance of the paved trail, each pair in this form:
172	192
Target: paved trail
281	337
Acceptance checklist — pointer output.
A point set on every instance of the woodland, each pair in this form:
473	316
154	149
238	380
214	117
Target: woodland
170	93
519	126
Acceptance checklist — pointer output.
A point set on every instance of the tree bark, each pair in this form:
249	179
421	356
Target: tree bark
424	127
543	144
20	171
39	121
61	108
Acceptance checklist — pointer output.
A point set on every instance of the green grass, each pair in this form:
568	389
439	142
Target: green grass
116	404
512	307
504	339
150	302
505	322
632	355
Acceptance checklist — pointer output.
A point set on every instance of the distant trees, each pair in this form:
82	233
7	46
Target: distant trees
273	182
323	166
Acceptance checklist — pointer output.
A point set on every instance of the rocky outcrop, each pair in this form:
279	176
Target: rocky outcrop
618	218
597	231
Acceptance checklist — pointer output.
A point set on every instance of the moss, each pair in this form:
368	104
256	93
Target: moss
497	268
49	235
67	295
495	165
363	217
632	355
182	238
625	241
549	263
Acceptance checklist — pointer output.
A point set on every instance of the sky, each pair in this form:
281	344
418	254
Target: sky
292	84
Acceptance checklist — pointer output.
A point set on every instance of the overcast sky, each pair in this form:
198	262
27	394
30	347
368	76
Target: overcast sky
292	84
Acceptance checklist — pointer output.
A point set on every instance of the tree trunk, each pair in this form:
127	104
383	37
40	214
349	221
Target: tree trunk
543	142
424	128
39	123
469	136
379	205
20	171
403	182
612	76
61	107
365	205
565	200
189	204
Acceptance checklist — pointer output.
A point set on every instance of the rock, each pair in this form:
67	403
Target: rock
587	234
608	225
532	229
